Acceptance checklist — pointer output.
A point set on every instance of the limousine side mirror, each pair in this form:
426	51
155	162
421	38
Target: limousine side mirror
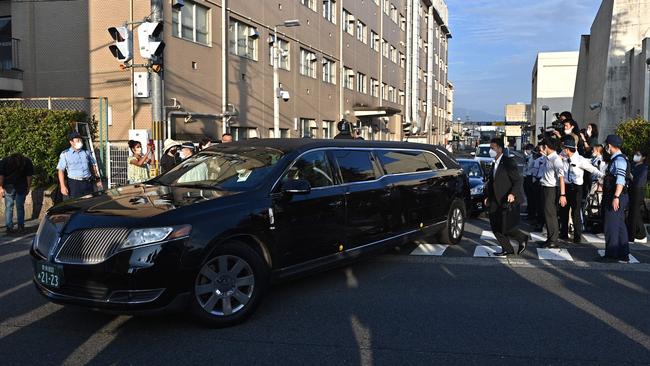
296	186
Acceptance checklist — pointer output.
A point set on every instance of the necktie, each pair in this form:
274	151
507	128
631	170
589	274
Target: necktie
569	178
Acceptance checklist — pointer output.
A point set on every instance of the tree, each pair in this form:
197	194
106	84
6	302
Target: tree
635	134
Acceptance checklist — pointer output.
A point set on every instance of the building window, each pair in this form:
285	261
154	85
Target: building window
243	40
393	13
283	54
329	71
329	10
387	6
348	22
393	54
402	97
349	79
308	127
308	63
362	32
192	22
374	41
385	50
402	22
311	4
391	94
362	85
384	91
374	88
328	129
402	60
243	133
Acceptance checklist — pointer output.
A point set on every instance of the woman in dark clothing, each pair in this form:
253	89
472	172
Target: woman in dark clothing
636	229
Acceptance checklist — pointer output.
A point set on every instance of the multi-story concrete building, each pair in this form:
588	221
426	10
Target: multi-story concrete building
613	82
553	82
380	63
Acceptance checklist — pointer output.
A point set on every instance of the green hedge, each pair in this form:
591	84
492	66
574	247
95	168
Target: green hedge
39	134
635	134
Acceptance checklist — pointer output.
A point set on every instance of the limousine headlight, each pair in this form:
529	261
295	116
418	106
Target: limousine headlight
476	190
146	236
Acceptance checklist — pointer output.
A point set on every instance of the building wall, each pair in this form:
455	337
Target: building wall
192	71
612	69
554	78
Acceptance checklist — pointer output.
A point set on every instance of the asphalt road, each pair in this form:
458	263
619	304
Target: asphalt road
449	308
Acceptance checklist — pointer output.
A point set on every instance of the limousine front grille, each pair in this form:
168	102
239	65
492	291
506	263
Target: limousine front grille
91	246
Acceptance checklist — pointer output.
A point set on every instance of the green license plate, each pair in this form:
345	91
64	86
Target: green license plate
48	274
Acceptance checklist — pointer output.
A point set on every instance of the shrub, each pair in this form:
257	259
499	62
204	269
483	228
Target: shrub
39	134
635	134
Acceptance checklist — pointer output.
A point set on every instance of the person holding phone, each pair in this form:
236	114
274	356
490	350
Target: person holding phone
138	168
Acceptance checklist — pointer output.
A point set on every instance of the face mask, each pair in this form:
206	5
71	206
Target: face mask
637	158
527	152
78	145
182	155
589	133
608	150
493	153
567	132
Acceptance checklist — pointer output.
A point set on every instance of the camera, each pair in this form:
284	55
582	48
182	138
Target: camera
285	95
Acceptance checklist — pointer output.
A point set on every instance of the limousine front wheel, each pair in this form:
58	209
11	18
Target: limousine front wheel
453	230
229	285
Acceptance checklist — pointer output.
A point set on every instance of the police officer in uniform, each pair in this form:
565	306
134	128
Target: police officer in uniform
615	201
345	130
80	167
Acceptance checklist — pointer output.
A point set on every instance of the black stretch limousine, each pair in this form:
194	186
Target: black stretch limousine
215	231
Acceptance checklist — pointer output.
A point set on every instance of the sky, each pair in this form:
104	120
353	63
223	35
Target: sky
495	43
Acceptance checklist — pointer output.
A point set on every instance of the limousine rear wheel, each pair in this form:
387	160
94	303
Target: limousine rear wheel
229	285
453	231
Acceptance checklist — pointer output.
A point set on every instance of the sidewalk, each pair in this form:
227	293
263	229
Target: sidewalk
38	201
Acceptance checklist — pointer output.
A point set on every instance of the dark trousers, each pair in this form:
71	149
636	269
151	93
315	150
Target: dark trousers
539	197
505	225
79	188
573	204
530	197
550	214
635	227
616	238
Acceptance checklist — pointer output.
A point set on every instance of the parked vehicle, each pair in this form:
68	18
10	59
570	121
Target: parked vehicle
477	179
482	155
213	232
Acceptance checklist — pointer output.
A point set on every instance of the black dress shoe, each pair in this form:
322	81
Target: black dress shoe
549	245
522	246
606	259
502	254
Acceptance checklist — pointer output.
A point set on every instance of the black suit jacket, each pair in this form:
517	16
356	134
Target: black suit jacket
507	181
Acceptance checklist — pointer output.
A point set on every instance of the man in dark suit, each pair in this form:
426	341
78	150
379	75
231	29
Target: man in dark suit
504	194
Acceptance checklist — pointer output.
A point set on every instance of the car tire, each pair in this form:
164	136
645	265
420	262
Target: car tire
452	233
229	285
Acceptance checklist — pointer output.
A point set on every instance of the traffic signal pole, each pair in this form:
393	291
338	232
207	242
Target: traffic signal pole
157	113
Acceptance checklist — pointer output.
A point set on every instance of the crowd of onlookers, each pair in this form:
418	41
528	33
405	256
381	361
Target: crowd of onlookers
569	169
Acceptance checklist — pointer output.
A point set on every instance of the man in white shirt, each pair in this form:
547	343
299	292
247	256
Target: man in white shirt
552	179
538	172
574	170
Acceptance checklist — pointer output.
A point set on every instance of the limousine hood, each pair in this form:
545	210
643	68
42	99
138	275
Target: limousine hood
138	201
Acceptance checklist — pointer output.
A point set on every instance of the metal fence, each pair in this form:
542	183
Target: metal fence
96	108
118	159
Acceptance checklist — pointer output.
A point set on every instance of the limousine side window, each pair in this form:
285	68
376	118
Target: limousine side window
434	161
399	162
312	167
355	165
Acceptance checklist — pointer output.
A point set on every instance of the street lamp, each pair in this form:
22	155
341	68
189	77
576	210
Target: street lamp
276	76
545	108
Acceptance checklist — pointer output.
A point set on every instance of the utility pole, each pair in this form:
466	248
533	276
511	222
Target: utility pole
156	77
224	65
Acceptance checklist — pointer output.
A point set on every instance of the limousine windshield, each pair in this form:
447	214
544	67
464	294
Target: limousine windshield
235	169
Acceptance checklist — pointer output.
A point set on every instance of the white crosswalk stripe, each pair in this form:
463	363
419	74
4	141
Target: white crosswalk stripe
633	260
486	251
554	254
430	249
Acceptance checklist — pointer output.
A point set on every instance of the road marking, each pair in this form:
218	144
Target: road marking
554	254
488	235
12	256
594	239
18	239
97	342
17	323
484	251
601	252
14	289
430	249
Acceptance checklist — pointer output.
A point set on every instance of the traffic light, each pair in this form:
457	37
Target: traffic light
149	40
122	49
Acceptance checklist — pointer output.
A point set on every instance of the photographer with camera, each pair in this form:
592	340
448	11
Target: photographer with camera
138	168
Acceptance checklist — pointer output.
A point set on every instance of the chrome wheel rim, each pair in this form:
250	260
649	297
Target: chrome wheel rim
456	223
224	285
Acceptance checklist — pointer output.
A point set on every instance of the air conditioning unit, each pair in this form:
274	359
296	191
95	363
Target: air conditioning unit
253	33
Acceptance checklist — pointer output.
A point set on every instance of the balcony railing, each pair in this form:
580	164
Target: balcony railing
10	58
